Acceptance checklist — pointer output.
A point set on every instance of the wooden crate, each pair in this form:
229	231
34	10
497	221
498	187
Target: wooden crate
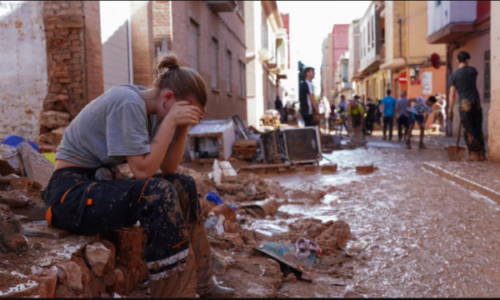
245	149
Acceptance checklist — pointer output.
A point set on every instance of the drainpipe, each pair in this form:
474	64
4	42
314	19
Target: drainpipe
449	58
400	38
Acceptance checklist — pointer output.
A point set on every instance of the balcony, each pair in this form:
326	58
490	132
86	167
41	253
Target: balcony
222	6
450	20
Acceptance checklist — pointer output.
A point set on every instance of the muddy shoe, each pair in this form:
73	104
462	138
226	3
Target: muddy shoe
385	138
421	146
408	144
473	157
220	292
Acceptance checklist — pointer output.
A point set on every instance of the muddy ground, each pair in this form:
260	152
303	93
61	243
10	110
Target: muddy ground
401	231
414	234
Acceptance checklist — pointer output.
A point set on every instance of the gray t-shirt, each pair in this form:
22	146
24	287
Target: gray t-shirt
402	106
108	129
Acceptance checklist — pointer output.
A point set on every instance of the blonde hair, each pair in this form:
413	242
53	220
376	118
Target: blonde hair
183	82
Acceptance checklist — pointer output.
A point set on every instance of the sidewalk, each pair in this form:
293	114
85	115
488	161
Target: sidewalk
481	177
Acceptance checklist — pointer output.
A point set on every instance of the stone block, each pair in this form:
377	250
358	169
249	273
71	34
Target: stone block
97	256
129	243
54	119
83	267
47	284
73	278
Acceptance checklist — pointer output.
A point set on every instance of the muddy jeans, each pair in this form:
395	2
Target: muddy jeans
472	122
177	250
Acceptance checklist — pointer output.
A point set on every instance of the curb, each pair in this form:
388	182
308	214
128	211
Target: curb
466	183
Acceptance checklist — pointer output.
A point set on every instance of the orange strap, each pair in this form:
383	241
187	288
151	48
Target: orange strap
180	244
48	214
142	192
64	196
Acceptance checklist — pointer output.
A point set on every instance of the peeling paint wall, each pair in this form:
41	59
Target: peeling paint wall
23	68
494	113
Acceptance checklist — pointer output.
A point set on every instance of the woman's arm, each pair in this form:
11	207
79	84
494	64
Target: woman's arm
146	165
175	151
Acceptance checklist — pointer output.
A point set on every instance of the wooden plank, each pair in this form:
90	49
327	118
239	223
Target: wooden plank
217	172
40	230
225	165
37	167
229	175
252	167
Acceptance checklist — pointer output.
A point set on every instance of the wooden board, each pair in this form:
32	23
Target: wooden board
217	173
40	230
37	167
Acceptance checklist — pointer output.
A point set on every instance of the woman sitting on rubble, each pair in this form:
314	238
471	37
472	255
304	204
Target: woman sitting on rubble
147	128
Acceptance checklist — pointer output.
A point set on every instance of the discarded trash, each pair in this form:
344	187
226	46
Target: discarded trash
14	141
284	252
214	197
304	248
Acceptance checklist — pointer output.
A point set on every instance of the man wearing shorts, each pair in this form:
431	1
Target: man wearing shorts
419	112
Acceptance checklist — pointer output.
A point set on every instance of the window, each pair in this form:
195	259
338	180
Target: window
487	78
369	33
194	31
243	82
214	62
229	58
264	29
373	32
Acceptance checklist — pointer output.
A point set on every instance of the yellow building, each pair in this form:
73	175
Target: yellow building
407	52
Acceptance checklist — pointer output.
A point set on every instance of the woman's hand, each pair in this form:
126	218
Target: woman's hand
183	113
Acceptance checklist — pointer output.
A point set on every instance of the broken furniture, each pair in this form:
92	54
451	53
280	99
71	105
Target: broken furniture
298	145
211	140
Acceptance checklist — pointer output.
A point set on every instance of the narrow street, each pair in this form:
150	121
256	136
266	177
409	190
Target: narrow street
418	235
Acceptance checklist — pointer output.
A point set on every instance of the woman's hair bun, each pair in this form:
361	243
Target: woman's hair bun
167	61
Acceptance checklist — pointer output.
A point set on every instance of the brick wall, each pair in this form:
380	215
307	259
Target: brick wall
161	22
229	30
74	65
143	55
93	52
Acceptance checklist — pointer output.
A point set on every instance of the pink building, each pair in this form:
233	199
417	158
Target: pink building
340	44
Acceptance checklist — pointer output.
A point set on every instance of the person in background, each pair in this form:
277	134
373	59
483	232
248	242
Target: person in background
378	113
419	112
463	81
403	116
388	109
286	100
355	113
371	110
308	105
442	108
343	113
278	105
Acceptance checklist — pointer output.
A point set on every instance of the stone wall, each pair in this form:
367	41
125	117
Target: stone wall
23	66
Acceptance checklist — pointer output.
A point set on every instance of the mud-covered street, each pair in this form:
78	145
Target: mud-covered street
415	234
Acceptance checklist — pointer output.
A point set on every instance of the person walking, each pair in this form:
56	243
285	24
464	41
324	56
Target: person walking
278	105
308	106
463	82
343	114
388	107
371	110
402	116
420	111
147	128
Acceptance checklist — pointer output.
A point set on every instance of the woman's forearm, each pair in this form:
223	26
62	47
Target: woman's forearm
175	151
144	166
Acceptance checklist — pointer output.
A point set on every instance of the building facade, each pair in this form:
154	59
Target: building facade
266	57
494	112
354	61
209	37
407	53
464	26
